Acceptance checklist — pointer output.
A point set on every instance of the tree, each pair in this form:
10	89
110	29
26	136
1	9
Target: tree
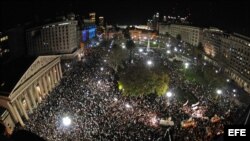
117	55
126	33
137	80
178	37
130	46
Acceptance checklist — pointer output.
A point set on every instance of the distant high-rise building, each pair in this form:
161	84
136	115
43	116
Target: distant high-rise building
54	38
92	17
155	22
164	18
157	15
101	21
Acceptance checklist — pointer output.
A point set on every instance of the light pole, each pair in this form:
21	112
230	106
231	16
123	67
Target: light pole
219	93
149	63
169	94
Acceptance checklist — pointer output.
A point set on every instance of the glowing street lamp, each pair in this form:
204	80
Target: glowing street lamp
168	51
66	121
219	91
149	62
169	94
140	50
186	65
234	90
228	80
101	68
128	106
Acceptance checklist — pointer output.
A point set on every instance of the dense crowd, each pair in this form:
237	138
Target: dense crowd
88	95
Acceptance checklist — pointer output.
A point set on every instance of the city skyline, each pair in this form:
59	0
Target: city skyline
221	14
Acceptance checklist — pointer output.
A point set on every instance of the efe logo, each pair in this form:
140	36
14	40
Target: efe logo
236	132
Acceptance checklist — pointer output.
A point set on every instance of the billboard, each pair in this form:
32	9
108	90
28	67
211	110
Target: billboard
84	35
92	32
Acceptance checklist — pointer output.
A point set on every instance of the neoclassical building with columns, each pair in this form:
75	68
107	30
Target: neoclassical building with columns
25	84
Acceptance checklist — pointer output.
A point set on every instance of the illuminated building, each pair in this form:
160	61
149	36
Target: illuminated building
4	48
23	89
92	17
54	38
164	28
211	42
101	21
189	34
230	52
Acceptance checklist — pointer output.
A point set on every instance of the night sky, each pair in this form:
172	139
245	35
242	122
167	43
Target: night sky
227	15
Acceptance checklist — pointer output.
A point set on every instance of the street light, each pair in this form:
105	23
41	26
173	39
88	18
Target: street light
186	65
127	105
228	80
140	50
169	94
66	121
149	62
219	91
168	51
101	68
234	90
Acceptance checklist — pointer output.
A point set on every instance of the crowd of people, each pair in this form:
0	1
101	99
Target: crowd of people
88	96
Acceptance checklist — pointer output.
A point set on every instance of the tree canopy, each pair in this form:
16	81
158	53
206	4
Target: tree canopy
116	56
138	80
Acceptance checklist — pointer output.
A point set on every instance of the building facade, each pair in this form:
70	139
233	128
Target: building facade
231	52
211	41
55	38
238	53
189	34
164	29
26	94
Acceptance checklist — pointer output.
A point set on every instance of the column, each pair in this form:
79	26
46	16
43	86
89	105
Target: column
34	90
31	94
60	70
52	78
28	102
55	75
45	85
12	112
41	87
21	108
18	115
48	82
